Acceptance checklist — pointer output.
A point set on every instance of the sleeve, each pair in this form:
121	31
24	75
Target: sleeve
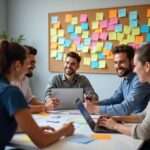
142	131
115	99
87	87
51	84
14	100
135	100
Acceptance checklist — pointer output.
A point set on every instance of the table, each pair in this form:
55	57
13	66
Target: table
57	118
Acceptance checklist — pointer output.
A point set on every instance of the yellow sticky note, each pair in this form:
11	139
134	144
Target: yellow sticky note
136	31
99	16
127	29
57	25
53	31
54	38
139	39
148	23
53	53
148	12
94	57
25	139
61	33
85	49
68	18
124	41
86	61
130	38
85	34
73	47
113	13
102	136
78	29
112	36
120	36
61	48
99	46
54	45
74	20
102	64
95	25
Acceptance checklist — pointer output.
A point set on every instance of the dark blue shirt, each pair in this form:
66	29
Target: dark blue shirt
11	101
131	97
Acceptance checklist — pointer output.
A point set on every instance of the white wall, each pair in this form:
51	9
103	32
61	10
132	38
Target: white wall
30	17
3	15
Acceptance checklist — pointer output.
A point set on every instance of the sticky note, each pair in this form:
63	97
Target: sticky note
108	46
127	29
25	139
102	136
73	35
136	31
86	61
70	28
112	13
74	20
148	37
139	39
102	64
99	16
104	24
54	38
148	12
78	29
54	19
80	47
94	57
85	26
133	15
94	64
68	18
133	23
85	34
112	36
59	56
95	25
87	41
130	38
53	31
99	46
60	33
67	43
120	36
85	49
124	41
95	36
122	12
61	48
61	40
77	40
83	18
43	114
53	45
111	28
57	25
118	28
145	28
101	56
113	21
148	22
103	36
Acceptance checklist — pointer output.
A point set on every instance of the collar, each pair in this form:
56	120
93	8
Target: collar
129	76
73	79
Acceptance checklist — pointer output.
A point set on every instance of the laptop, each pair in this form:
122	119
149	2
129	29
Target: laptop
67	97
90	121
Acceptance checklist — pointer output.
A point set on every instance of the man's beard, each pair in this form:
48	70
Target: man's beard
29	74
70	73
125	71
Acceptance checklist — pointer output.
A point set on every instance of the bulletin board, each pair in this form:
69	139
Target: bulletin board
93	33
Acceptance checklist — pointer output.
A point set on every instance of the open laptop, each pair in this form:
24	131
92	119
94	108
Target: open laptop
67	96
90	121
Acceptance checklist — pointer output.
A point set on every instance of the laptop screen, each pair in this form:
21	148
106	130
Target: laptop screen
85	113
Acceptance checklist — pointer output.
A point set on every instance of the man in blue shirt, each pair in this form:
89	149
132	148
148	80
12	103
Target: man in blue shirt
131	96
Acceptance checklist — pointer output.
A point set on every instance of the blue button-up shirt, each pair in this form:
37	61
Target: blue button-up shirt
131	97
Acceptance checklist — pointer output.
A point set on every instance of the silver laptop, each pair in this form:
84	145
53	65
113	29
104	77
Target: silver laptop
67	96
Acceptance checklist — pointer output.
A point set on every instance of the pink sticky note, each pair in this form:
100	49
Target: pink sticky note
113	21
83	18
103	36
93	45
104	24
95	36
111	28
77	40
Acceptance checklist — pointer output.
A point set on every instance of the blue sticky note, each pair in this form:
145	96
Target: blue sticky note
67	43
70	28
59	56
145	28
108	46
80	47
79	138
122	12
85	26
87	41
94	64
148	37
101	56
54	19
133	23
133	15
73	35
118	28
61	40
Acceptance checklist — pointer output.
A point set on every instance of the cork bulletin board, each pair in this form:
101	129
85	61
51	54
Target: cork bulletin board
93	33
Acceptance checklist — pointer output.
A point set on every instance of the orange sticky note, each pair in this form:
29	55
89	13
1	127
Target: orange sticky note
112	13
57	25
53	45
139	39
68	18
101	136
148	12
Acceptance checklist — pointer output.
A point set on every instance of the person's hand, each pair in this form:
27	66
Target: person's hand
37	108
47	129
52	103
107	122
91	107
68	129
